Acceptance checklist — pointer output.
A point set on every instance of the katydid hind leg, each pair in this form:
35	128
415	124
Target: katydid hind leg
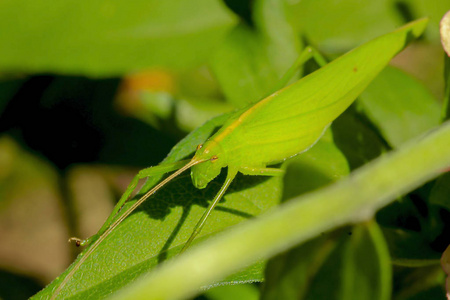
199	226
144	173
307	54
261	171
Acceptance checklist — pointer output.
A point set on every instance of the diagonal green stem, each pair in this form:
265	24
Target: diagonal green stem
351	200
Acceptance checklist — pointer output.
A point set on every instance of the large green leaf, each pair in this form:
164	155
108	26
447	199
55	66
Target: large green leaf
316	270
108	38
336	26
289	275
241	291
251	61
322	164
356	138
440	194
400	106
435	10
353	199
159	229
358	268
242	68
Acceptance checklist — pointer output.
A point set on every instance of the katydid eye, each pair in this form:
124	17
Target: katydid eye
213	158
200	146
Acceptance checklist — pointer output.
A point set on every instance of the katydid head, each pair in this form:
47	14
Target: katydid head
212	155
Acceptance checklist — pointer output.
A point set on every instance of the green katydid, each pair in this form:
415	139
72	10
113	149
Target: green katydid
282	125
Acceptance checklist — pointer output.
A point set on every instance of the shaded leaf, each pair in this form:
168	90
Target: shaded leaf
240	291
322	164
356	138
410	248
440	193
347	264
359	268
399	106
289	275
419	283
17	287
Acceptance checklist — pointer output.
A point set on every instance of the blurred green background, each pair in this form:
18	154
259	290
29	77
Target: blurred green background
91	92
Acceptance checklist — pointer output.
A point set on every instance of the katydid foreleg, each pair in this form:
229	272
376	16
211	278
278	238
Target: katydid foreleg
198	227
230	176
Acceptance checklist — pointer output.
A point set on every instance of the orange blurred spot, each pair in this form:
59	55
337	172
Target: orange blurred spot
133	85
151	80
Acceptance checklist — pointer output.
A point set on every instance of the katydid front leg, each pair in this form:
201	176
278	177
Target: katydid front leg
230	176
145	173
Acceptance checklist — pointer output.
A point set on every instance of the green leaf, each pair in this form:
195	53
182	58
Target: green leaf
356	138
366	272
336	26
435	10
162	225
159	229
352	263
399	106
108	38
281	42
359	267
410	248
7	90
322	164
413	228
446	101
441	191
240	291
242	67
251	61
289	275
419	283
353	199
